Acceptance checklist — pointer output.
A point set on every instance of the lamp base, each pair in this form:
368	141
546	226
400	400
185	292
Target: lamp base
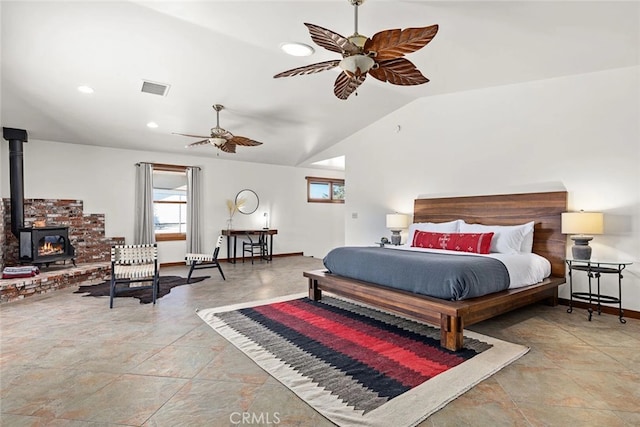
581	249
395	237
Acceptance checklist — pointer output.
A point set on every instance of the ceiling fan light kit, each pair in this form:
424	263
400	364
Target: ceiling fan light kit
381	56
356	65
218	142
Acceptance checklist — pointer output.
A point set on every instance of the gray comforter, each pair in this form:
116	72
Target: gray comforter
440	275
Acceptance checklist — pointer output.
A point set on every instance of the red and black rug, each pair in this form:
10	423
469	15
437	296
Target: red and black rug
356	365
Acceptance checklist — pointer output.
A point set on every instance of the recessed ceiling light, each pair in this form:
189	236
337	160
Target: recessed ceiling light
152	125
297	49
85	89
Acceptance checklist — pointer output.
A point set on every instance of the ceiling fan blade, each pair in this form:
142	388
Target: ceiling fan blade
244	141
309	69
191	136
330	40
228	147
399	71
194	144
345	85
391	44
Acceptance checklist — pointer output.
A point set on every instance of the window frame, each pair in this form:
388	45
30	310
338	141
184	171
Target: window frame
167	237
321	180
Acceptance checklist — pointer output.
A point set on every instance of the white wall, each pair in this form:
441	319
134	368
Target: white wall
579	133
104	179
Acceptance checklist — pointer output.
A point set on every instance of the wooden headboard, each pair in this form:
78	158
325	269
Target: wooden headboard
507	209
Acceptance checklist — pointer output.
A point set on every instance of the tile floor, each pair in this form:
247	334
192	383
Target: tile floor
67	360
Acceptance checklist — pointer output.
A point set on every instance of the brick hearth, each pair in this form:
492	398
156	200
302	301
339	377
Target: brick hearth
86	233
47	281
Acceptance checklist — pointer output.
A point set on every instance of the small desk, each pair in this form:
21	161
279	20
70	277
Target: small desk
235	233
595	269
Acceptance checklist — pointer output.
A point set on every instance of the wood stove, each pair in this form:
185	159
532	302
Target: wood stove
44	245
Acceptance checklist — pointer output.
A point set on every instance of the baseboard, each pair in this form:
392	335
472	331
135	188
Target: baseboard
288	254
172	264
604	308
179	263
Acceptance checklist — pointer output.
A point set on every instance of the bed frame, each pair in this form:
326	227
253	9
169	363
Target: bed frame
452	316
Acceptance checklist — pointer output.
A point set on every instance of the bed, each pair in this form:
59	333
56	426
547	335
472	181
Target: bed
452	316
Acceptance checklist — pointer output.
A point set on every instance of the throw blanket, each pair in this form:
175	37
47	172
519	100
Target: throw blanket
19	272
444	276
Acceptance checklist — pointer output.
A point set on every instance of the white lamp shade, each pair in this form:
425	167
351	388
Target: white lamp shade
355	65
582	222
397	221
218	142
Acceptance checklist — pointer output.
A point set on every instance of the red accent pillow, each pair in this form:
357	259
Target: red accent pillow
478	243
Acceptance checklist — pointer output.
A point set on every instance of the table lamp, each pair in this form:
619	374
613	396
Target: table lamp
396	222
580	225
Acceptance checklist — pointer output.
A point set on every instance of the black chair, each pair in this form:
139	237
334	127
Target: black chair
257	246
132	266
200	261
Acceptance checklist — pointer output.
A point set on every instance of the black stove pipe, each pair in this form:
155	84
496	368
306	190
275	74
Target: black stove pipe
16	138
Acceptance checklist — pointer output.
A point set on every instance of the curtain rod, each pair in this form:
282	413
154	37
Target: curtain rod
167	165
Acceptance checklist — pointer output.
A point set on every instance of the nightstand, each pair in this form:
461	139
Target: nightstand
595	269
382	245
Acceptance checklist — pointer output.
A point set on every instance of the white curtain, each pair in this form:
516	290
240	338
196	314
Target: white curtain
143	232
193	209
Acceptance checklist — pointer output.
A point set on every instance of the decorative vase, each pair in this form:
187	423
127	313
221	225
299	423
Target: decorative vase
229	224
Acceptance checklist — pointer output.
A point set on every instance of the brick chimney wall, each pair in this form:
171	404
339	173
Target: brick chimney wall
86	231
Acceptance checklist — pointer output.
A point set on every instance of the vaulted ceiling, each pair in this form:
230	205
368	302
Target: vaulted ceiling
227	52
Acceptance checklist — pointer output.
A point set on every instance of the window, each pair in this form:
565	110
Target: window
170	202
325	190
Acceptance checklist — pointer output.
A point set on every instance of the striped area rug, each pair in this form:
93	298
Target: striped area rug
355	365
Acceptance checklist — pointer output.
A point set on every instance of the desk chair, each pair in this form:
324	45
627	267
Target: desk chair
258	246
133	265
200	261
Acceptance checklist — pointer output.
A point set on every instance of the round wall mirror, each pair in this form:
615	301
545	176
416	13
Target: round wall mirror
248	201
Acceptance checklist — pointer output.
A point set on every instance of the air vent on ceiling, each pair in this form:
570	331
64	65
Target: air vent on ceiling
155	88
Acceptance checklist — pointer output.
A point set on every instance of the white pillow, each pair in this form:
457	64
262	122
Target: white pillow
527	242
507	239
434	227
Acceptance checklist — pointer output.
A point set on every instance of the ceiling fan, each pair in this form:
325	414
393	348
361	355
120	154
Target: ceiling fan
381	56
221	138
